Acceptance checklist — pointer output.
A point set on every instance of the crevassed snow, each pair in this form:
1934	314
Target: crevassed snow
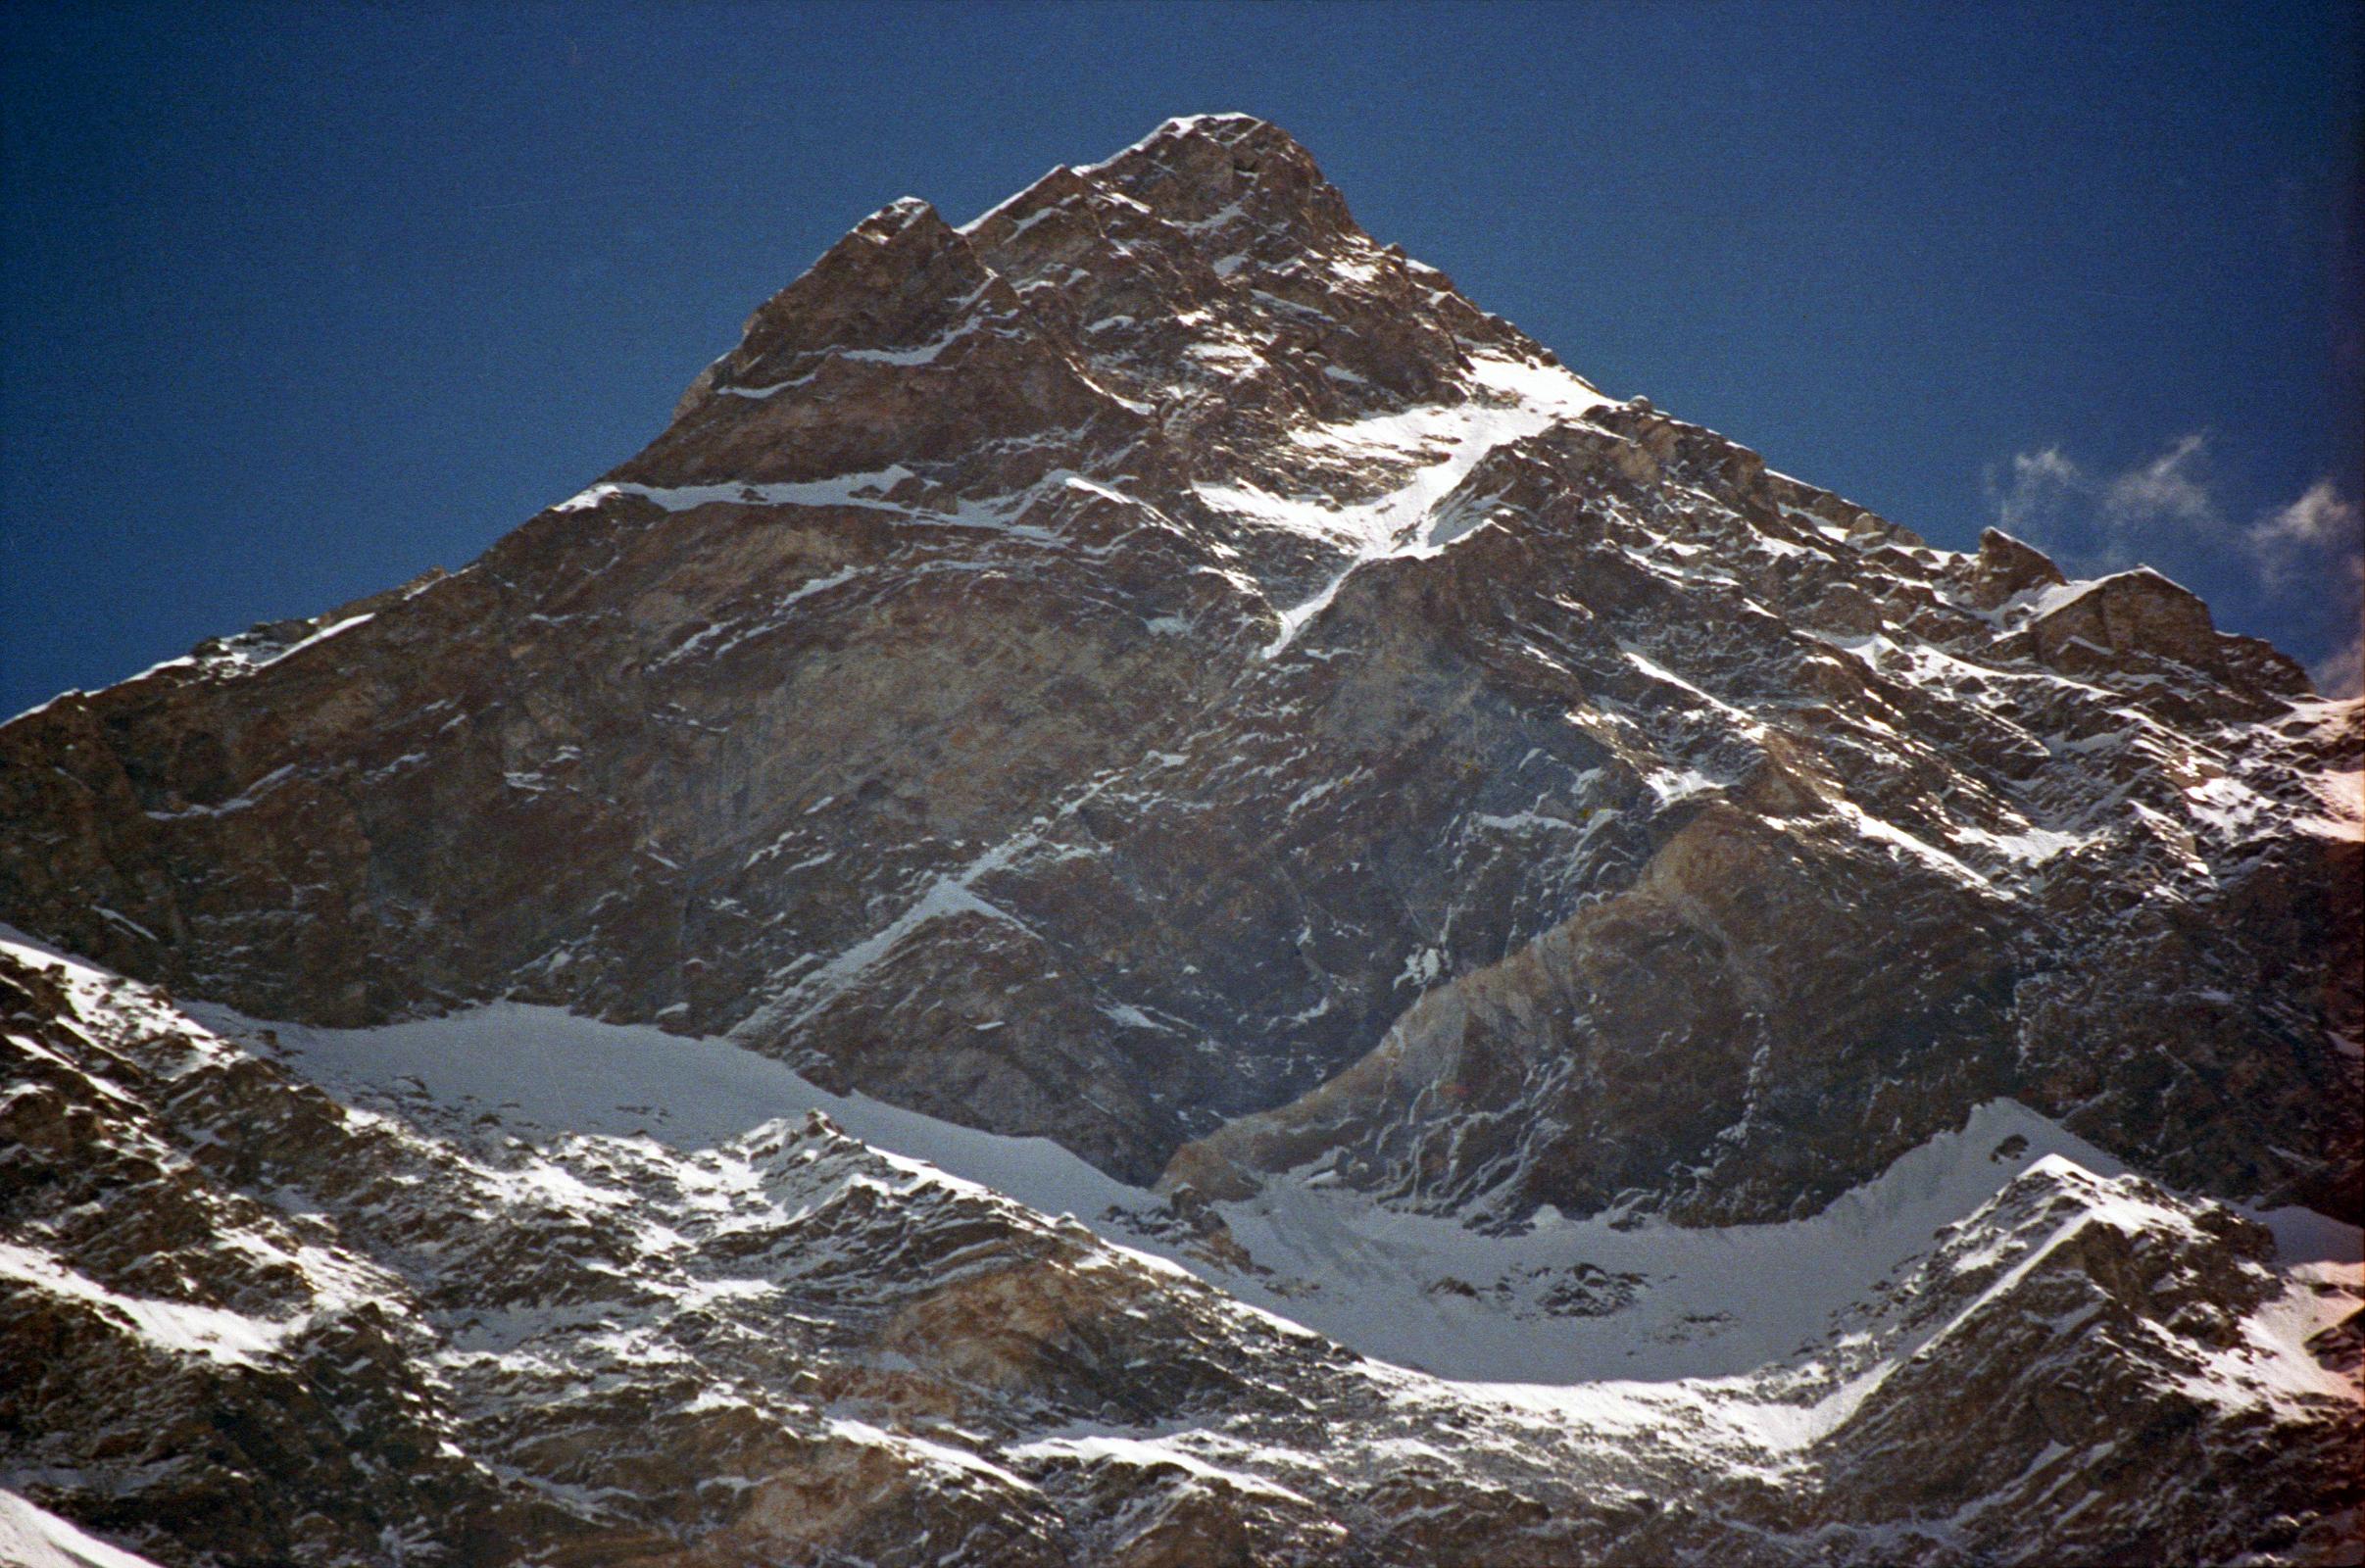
1708	1303
1724	1340
543	1070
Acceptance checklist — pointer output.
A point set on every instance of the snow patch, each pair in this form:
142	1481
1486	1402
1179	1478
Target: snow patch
31	1536
1151	1454
1441	443
178	1328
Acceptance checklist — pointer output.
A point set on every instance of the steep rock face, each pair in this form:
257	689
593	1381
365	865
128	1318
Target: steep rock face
1692	1011
246	1323
1154	655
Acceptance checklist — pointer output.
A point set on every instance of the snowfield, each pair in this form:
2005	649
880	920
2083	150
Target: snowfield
1611	1298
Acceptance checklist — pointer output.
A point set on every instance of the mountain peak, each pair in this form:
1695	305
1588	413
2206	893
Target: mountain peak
1205	169
1155	670
1230	130
903	213
1208	274
1211	177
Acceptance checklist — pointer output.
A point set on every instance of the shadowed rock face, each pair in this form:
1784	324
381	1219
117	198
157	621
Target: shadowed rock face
1155	656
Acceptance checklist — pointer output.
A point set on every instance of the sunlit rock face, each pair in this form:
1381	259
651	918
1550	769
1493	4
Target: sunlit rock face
1156	670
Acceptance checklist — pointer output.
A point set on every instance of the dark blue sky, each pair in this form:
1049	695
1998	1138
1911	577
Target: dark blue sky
298	303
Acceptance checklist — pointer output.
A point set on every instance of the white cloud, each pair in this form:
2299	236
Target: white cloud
2169	490
2319	521
2342	673
2042	486
2100	522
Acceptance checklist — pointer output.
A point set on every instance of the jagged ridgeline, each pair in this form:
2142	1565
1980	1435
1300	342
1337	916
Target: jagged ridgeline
1437	852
